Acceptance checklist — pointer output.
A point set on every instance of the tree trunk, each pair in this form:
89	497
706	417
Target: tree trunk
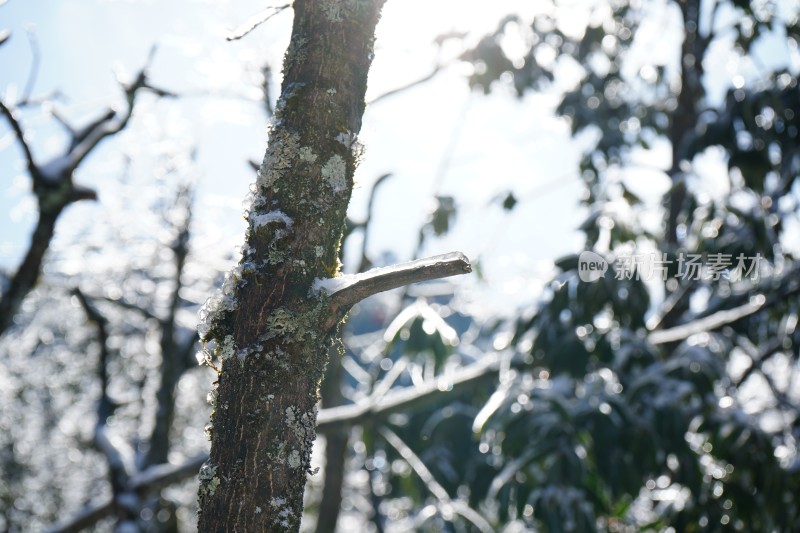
685	117
270	333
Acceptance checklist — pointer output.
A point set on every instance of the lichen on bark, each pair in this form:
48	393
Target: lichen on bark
271	330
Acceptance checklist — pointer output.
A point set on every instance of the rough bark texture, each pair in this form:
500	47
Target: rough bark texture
266	326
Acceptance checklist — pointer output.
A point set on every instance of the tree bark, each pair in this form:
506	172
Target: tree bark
685	117
270	332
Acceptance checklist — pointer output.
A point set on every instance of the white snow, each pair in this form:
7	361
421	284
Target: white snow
268	218
333	285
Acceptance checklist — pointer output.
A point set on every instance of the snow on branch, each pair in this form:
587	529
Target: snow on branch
709	323
54	187
347	290
376	407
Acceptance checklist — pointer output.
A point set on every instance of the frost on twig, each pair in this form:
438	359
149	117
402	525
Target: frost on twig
345	291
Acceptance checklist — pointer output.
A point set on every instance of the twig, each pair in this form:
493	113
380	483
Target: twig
381	405
433	486
15	125
36	58
438	68
345	291
255	21
101	323
416	464
365	263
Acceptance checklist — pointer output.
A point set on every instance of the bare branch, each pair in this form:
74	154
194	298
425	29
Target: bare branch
434	487
347	290
255	21
365	263
28	273
173	362
115	123
769	292
709	323
144	483
373	409
380	405
15	125
54	189
416	464
119	469
125	304
101	323
34	72
79	135
407	86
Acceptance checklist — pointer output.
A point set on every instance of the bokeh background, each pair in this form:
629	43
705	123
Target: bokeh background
520	133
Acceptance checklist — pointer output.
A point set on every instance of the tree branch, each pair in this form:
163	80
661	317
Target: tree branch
54	189
434	487
709	323
345	291
365	263
255	21
113	124
119	469
377	407
34	73
408	85
144	483
15	125
769	292
173	363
